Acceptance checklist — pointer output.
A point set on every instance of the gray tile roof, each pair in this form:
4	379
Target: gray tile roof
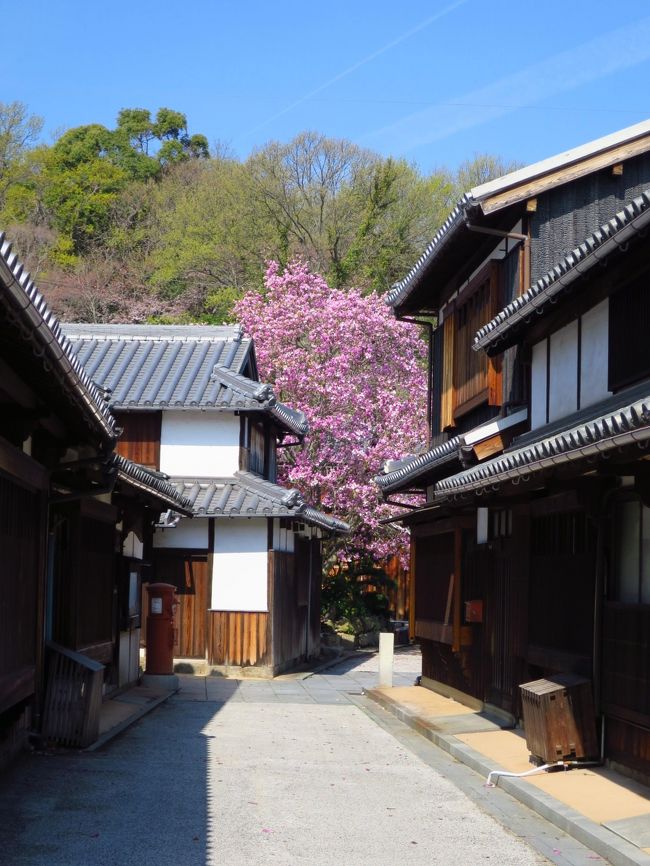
458	449
415	467
624	426
26	306
239	392
614	235
247	495
154	483
470	204
155	366
147	367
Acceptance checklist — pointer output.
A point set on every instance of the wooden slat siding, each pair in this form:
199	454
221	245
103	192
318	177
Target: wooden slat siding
562	576
21	576
447	398
192	610
95	579
477	378
628	745
140	439
436	380
434	564
626	662
289	616
238	639
316	584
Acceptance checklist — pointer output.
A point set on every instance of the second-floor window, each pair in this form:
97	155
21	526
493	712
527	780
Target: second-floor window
257	449
470	378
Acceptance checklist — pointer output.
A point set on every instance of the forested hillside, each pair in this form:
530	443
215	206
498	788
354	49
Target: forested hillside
146	220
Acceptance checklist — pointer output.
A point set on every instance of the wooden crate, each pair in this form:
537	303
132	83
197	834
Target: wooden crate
559	718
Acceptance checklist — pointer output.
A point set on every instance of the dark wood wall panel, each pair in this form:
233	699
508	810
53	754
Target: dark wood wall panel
290	596
629	745
626	661
20	531
140	439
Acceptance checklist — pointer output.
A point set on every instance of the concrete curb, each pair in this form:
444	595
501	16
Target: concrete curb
122	726
604	842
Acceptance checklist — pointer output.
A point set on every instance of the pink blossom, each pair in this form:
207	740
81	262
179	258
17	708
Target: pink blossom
360	377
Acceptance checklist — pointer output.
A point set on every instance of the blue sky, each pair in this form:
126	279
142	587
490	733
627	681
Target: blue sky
434	82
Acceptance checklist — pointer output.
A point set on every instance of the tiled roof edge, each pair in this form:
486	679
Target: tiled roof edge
44	328
613	234
292	419
402	289
413	468
624	426
134	473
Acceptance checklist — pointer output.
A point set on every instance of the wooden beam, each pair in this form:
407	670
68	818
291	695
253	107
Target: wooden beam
494	445
538	185
18	465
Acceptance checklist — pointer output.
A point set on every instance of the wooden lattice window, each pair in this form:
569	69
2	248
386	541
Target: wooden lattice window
470	378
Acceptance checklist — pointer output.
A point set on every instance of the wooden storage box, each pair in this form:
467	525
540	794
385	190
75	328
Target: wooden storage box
559	718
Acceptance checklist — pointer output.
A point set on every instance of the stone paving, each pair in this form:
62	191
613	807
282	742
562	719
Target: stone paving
298	770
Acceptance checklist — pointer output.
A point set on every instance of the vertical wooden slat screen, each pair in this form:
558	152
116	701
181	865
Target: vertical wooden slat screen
447	400
494	378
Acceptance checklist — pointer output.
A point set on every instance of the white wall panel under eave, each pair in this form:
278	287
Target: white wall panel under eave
240	565
563	372
199	444
594	354
188	533
538	386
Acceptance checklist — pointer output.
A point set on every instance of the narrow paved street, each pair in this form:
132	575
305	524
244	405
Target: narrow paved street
255	772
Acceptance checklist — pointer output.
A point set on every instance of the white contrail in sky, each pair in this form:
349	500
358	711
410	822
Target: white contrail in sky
600	57
350	69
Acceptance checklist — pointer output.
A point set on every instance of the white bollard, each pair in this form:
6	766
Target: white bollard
386	647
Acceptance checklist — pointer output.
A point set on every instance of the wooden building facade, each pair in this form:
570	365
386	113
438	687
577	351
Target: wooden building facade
67	505
529	552
247	566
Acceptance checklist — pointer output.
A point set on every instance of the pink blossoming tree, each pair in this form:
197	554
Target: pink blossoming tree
360	377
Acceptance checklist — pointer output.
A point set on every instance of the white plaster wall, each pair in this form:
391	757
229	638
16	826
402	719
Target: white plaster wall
594	355
538	386
188	533
199	444
283	539
132	546
563	373
240	563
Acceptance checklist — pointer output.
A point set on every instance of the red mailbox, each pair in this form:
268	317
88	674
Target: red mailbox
160	628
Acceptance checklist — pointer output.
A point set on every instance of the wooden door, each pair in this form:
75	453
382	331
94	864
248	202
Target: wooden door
192	610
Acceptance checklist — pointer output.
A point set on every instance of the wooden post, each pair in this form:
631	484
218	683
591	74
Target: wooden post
458	557
412	576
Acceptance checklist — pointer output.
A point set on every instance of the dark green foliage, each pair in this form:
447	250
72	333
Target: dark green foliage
355	592
195	231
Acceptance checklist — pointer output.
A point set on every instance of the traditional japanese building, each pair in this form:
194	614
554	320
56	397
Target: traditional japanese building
529	554
71	511
247	567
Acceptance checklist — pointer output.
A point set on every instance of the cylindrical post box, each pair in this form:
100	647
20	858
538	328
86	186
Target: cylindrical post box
160	628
